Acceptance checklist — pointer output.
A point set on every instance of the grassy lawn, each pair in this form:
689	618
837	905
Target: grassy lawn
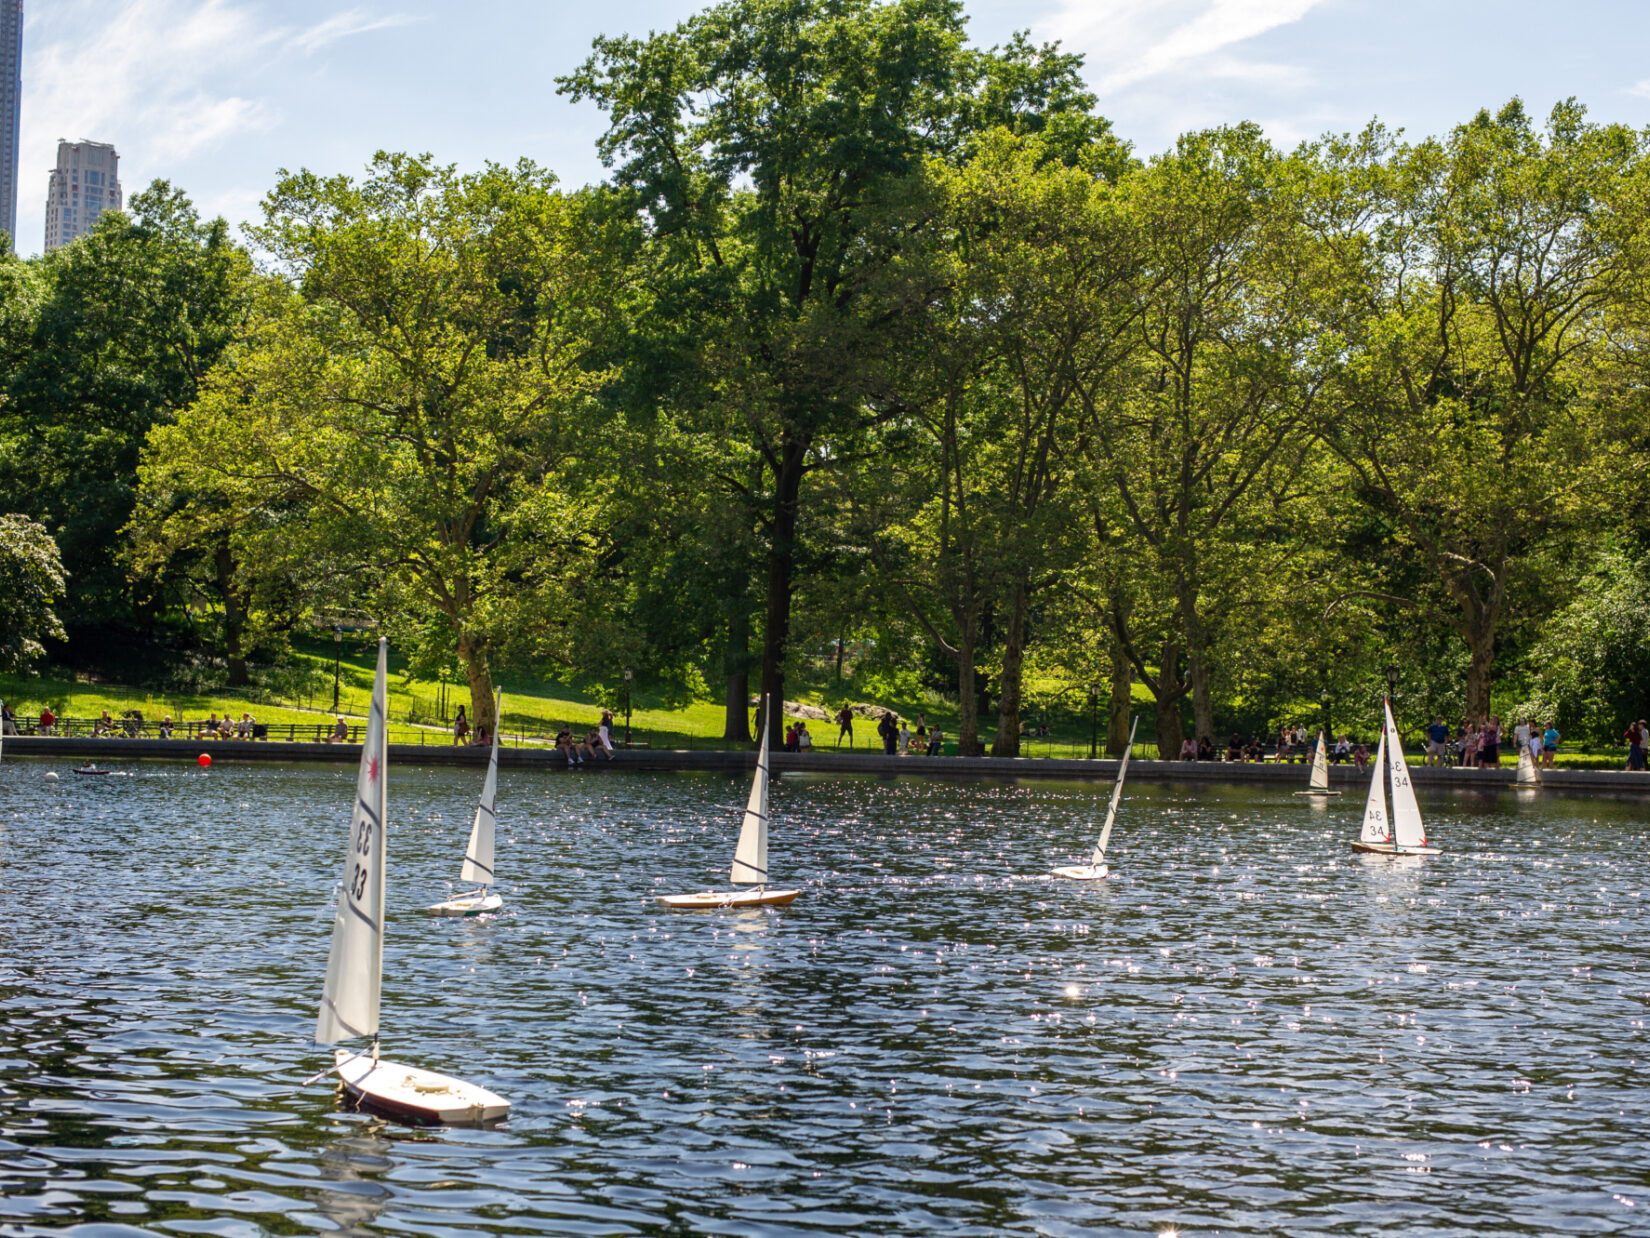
535	710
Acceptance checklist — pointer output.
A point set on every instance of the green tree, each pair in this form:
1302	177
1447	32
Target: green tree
31	583
772	145
1479	273
130	320
410	404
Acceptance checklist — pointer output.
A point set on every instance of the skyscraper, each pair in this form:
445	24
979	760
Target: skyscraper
11	111
85	183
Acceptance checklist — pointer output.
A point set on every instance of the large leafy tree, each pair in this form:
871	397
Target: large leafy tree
1480	274
129	321
407	404
771	146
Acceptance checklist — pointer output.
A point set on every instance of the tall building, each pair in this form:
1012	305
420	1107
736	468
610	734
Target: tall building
11	111
85	183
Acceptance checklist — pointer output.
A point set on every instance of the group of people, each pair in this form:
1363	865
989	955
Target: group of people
1478	745
463	737
597	741
898	739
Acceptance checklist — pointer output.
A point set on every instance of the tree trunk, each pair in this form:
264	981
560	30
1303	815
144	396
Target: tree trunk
736	664
1197	661
1007	743
234	617
1169	691
968	718
781	568
1122	701
1480	634
473	655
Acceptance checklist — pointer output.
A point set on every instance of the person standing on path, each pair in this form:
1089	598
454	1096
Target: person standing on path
1549	745
461	728
1489	751
845	726
1635	746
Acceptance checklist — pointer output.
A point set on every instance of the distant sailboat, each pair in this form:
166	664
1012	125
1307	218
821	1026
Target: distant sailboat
750	857
1404	834
1318	783
1528	777
355	965
478	854
1097	868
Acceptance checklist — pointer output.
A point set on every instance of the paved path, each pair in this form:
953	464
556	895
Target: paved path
1342	778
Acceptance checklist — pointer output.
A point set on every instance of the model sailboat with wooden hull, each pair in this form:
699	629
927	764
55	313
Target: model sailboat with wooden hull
750	857
1403	833
478	853
355	965
1097	867
1318	783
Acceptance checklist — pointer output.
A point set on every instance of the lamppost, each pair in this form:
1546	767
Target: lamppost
1094	716
627	707
1392	680
337	655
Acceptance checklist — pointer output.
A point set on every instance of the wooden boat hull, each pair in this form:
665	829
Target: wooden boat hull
468	905
710	900
92	773
417	1097
1317	794
1082	872
1390	850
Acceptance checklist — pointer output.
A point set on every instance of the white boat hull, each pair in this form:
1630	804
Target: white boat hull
420	1097
1083	872
711	899
1318	794
468	905
1389	849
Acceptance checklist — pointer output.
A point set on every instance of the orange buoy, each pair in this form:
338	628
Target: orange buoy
204	760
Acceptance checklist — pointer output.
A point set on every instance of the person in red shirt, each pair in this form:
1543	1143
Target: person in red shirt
47	720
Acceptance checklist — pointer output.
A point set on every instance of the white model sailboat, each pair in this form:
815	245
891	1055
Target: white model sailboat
1097	868
355	966
1404	833
478	853
750	856
1528	777
1318	783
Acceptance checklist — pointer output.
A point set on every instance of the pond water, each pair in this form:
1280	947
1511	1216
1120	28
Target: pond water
1247	1030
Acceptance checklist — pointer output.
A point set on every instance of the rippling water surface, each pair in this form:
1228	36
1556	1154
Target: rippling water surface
1245	1031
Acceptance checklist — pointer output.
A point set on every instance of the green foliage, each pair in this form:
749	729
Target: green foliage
31	582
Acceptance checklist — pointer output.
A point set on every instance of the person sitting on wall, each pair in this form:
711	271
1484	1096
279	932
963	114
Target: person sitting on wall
1188	749
1234	748
565	745
166	727
1205	749
587	748
48	720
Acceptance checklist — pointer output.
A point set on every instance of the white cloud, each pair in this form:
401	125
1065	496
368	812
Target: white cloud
165	81
1641	89
1131	41
344	25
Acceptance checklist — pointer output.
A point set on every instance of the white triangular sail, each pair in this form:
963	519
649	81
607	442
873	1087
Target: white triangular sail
750	857
1528	775
1407	830
1116	794
355	967
478	853
1376	827
1320	767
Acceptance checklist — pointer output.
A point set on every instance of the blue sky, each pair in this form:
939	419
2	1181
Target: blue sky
217	95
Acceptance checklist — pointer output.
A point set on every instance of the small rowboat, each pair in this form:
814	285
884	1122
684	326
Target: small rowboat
420	1097
91	771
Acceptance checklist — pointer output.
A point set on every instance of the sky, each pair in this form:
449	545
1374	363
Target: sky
218	96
